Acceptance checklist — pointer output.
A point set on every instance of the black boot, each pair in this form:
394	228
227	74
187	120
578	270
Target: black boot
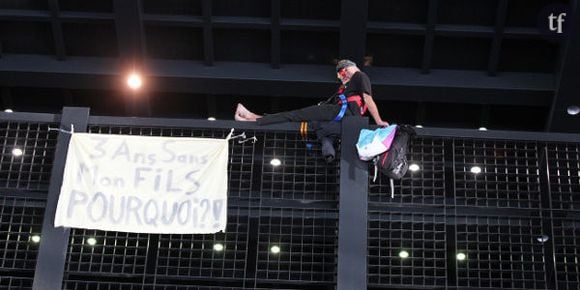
328	149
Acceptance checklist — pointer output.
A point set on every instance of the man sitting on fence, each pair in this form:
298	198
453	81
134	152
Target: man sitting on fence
353	98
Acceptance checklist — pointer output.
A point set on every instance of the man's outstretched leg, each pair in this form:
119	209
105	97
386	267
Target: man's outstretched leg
325	112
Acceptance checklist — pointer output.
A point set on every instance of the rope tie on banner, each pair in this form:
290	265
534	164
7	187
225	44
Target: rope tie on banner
72	129
241	136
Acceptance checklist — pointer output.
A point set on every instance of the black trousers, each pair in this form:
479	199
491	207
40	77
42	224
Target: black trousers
324	112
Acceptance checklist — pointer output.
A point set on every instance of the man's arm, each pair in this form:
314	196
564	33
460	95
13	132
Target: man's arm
373	110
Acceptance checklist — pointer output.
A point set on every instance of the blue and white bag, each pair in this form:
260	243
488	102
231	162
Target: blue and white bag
388	148
372	143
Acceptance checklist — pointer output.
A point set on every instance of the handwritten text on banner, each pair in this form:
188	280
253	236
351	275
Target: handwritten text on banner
144	184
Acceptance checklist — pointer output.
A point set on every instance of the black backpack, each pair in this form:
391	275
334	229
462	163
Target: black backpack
393	163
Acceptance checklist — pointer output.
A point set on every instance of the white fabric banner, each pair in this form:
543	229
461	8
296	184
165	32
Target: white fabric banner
144	184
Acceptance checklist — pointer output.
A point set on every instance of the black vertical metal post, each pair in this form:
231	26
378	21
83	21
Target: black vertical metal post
450	212
546	196
131	38
275	32
152	254
57	33
429	36
253	241
500	19
52	251
206	6
353	205
353	30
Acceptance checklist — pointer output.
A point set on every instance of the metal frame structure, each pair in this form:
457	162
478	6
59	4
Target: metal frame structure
337	229
354	25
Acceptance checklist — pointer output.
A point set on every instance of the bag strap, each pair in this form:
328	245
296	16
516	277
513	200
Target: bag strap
376	163
343	107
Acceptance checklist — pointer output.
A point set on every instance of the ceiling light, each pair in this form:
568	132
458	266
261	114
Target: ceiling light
35	239
211	119
17	152
543	238
475	169
414	167
134	81
8	111
275	162
403	254
482	129
275	250
419	126
573	110
461	256
91	241
218	247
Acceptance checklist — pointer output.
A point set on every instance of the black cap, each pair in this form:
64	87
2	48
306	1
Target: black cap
344	63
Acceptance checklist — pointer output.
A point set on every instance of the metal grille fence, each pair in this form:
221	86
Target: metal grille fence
262	212
509	178
85	285
20	228
222	255
92	251
500	252
410	222
25	164
306	241
494	218
27	154
422	187
8	282
421	237
566	235
303	173
516	222
564	176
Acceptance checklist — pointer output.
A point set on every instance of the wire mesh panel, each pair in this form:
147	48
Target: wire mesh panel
500	252
297	245
241	168
16	283
220	255
497	174
406	249
27	155
283	219
101	252
302	173
20	227
567	252
423	185
194	287
101	285
564	176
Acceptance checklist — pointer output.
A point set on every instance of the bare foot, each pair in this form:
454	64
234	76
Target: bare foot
243	114
239	117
